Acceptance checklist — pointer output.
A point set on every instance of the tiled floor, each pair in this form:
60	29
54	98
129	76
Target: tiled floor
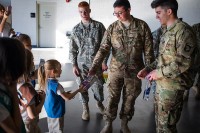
142	122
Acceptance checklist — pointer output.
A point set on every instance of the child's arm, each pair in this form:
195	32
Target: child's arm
32	110
40	105
68	95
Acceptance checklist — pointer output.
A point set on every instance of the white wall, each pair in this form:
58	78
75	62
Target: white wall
67	15
21	20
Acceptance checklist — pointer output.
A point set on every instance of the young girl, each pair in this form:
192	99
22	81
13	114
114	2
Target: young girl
12	64
31	102
26	41
55	95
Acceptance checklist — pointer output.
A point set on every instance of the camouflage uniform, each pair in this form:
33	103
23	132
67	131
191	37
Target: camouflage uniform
156	41
175	58
128	46
196	28
84	44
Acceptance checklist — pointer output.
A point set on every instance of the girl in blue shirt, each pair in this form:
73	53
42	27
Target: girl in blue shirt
55	95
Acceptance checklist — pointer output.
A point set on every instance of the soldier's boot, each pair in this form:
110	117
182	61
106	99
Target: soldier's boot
186	95
124	126
86	112
101	107
107	128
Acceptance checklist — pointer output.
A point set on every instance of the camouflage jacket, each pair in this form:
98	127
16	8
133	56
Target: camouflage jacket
85	42
196	29
128	45
156	40
175	56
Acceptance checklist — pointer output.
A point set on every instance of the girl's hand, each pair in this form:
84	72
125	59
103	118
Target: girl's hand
68	92
82	88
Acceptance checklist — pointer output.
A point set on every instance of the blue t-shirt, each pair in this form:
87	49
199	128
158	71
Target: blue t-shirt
54	104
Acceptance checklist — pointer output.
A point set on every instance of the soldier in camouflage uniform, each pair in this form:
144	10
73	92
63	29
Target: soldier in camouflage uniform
196	28
156	41
196	66
128	38
171	71
84	44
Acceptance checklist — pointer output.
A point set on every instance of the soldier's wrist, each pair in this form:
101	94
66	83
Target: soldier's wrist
74	65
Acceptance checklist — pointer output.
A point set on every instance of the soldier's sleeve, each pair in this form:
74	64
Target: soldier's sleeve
73	50
156	41
186	43
148	46
103	29
103	51
152	66
196	29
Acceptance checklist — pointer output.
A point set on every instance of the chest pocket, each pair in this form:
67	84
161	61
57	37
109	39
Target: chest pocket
135	40
168	45
117	39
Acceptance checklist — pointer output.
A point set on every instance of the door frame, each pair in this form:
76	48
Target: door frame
37	21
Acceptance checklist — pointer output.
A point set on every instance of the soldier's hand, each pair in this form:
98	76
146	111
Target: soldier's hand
76	71
142	74
152	75
104	67
91	72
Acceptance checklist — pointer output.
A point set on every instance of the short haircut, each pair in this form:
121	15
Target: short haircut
12	59
83	4
168	4
124	3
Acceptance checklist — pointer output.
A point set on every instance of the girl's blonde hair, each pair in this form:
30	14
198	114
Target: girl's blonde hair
44	72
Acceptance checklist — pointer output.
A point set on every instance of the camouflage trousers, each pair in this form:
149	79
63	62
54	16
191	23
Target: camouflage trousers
196	84
130	88
197	81
97	87
168	107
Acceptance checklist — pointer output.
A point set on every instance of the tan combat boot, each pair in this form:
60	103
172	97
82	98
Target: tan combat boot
101	107
124	126
86	112
107	128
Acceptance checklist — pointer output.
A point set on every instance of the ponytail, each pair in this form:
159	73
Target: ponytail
42	78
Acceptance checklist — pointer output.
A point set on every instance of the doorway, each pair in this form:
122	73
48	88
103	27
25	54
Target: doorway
46	24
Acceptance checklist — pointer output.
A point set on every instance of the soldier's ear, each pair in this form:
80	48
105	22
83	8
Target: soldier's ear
169	11
89	10
129	10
